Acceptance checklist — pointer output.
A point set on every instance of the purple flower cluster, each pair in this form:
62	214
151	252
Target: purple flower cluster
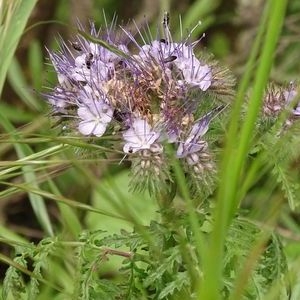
154	91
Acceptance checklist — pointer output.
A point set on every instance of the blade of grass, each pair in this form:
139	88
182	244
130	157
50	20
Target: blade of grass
212	265
32	157
18	83
43	194
6	234
36	201
105	45
16	114
35	60
277	9
13	19
68	216
234	154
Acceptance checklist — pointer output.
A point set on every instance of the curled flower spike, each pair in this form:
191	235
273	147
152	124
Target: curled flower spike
194	149
278	99
148	94
274	101
194	143
290	95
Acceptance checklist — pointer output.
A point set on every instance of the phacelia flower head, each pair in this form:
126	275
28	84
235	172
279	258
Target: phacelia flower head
180	55
149	93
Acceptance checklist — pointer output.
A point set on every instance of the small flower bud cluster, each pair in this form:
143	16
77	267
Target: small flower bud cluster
153	92
278	99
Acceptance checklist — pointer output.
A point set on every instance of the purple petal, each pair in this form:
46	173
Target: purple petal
91	128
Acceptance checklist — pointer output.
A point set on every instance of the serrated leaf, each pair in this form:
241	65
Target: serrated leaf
105	289
181	280
132	241
13	284
44	249
289	187
172	257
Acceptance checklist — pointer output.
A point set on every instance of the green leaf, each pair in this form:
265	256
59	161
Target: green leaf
181	280
41	262
289	186
13	284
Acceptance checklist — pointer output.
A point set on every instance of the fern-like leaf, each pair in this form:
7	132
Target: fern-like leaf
181	281
42	252
13	284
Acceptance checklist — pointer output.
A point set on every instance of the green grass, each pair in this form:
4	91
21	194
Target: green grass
235	154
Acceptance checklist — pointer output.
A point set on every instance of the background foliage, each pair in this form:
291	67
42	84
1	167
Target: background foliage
68	223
